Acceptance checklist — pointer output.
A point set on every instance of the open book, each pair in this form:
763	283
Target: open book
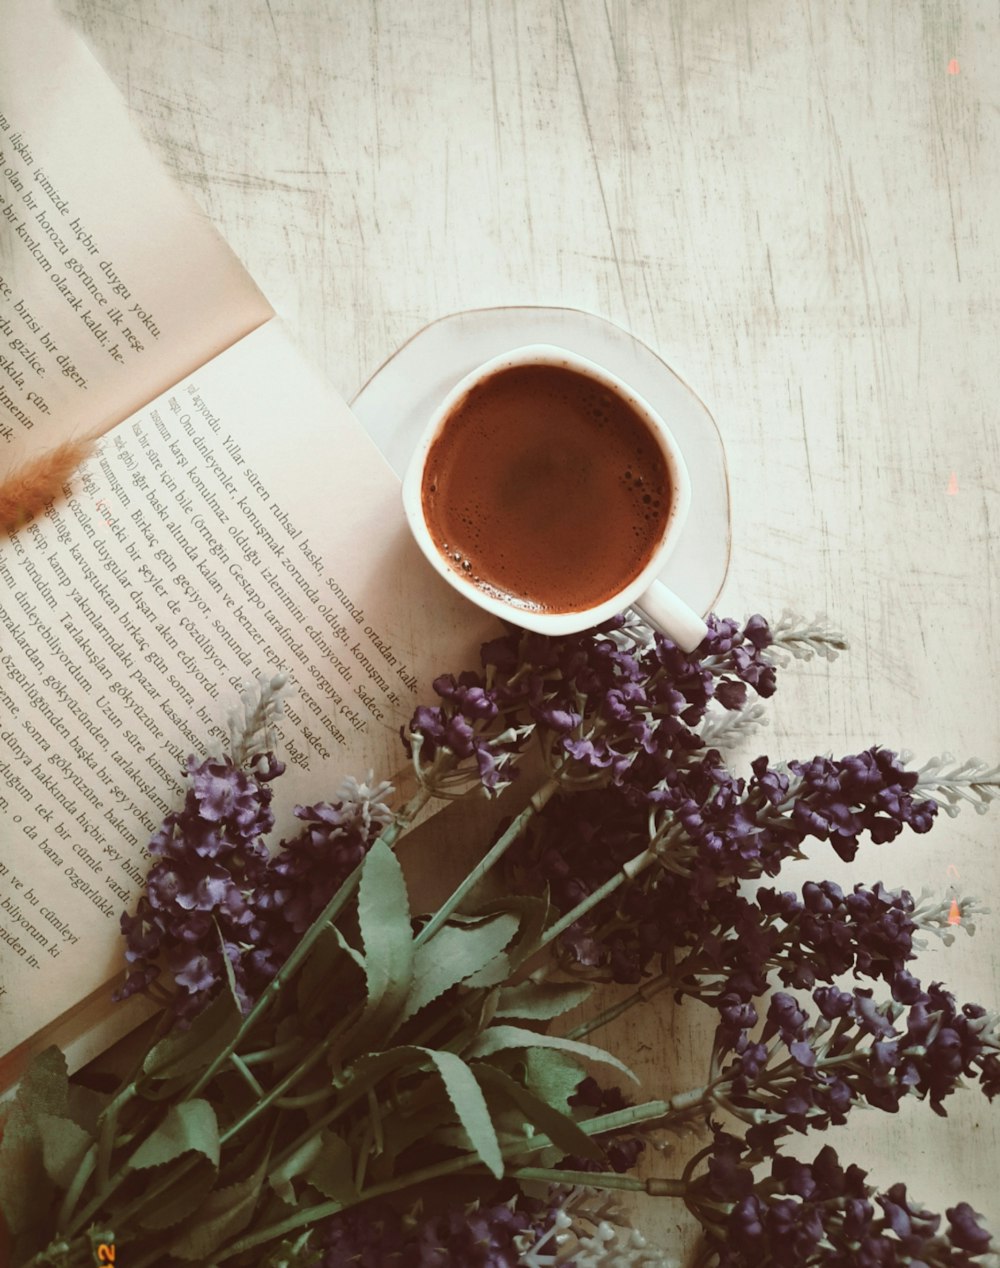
236	519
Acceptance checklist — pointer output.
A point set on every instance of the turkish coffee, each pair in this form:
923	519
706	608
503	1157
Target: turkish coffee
546	489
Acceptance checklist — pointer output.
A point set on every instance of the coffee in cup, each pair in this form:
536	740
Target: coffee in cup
549	493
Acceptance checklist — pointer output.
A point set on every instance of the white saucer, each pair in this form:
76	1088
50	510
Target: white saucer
397	401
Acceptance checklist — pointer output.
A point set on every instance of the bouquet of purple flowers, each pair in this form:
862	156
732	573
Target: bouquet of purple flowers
336	1079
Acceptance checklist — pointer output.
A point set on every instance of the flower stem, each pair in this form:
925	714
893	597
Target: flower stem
274	1093
452	1166
72	1195
539	799
655	1186
641	995
627	872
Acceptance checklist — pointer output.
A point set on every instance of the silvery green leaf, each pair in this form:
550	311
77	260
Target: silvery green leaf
223	1214
24	1185
459	1082
541	1001
552	1075
500	1038
470	1105
187	1127
63	1145
561	1129
297	1164
384	920
533	916
454	953
332	1170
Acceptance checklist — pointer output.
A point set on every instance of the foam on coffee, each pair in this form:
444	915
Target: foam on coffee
546	489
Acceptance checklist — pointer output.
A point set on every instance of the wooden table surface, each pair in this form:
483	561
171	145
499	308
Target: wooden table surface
795	204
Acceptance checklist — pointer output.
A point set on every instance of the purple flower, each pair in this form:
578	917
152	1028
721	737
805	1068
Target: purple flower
473	1236
214	878
820	1213
964	1230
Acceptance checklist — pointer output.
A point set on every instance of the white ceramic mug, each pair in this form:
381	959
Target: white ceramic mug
658	604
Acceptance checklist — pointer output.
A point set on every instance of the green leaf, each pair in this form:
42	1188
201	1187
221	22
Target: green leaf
85	1107
561	1129
297	1164
180	1200
222	1215
325	965
25	1187
187	1127
455	953
541	1001
332	1172
183	1054
532	915
552	1075
63	1145
470	1105
460	1084
405	1128
384	921
499	1038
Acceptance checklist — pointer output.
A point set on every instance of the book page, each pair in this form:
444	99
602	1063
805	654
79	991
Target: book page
242	522
112	284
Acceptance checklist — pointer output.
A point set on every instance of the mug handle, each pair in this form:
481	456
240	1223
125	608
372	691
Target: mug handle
669	614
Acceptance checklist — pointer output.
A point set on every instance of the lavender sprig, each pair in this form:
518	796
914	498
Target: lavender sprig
216	891
972	781
821	1213
805	1072
611	706
253	723
801	639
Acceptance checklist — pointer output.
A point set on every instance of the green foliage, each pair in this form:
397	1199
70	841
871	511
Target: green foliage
500	1038
187	1127
64	1144
383	1055
453	955
25	1180
541	1001
384	921
224	1213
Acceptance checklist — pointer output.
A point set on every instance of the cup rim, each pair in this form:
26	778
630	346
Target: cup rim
549	622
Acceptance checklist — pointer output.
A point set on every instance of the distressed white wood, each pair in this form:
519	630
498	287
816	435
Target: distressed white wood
795	203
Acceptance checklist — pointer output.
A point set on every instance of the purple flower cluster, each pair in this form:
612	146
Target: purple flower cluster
822	1213
462	726
610	705
803	1071
215	890
739	828
867	793
484	1237
712	831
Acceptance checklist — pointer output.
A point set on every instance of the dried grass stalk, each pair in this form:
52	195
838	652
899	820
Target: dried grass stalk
32	485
